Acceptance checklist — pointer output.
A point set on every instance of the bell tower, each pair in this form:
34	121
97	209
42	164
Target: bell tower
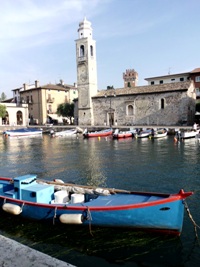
86	72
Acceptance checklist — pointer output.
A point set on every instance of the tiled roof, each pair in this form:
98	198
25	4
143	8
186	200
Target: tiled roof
147	89
195	70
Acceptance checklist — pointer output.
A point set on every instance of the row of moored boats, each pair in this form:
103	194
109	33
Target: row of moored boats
116	134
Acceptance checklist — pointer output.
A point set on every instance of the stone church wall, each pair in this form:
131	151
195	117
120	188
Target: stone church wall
170	108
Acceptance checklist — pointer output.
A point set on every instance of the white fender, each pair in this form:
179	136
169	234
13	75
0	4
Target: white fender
58	181
71	218
12	208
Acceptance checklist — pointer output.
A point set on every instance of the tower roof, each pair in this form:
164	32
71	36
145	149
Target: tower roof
85	29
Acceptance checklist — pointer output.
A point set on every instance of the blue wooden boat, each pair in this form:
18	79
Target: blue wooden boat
29	197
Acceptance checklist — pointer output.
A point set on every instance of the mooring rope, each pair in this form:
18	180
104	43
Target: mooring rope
89	218
54	217
191	218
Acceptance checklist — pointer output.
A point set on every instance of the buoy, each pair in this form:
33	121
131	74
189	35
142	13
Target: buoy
71	218
12	208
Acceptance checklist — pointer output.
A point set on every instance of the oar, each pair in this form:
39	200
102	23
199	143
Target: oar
111	190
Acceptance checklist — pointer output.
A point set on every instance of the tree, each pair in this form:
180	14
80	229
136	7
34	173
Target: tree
3	97
2	111
110	87
66	110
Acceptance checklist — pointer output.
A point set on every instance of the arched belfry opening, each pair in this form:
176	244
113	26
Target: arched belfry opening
82	51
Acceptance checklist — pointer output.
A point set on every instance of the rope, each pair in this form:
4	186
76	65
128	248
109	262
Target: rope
192	220
54	217
89	218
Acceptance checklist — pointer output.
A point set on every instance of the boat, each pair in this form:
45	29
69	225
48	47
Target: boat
102	133
59	202
159	133
123	134
143	133
187	134
23	132
71	132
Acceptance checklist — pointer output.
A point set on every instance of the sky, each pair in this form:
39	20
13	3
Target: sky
154	37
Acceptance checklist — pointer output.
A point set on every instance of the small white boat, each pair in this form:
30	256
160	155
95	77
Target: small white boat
71	132
186	134
160	133
24	132
143	133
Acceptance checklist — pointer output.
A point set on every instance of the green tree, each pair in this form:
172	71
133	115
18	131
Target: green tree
3	97
2	111
66	110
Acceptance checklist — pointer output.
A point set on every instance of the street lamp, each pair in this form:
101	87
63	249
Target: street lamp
110	109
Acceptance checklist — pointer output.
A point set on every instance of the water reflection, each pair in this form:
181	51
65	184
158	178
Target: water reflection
105	246
132	164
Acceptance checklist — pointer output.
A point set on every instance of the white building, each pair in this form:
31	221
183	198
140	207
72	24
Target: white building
15	115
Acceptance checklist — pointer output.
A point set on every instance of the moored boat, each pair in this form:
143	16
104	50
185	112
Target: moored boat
102	133
143	133
123	134
23	132
31	198
71	132
159	133
186	134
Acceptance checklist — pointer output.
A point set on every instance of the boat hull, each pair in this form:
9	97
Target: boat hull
104	133
123	135
23	132
136	210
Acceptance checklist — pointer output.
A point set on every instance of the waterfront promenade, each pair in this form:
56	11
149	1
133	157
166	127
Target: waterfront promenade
15	254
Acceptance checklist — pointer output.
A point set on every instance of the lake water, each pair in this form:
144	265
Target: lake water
132	164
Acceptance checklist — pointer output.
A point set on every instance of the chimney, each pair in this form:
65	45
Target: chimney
36	84
25	86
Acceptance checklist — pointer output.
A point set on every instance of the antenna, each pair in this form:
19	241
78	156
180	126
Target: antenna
169	71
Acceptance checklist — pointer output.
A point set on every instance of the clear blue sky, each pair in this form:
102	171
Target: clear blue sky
37	39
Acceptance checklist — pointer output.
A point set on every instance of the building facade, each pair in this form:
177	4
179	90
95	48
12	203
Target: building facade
167	104
44	100
15	115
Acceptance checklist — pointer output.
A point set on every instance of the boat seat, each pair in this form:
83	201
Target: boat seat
10	193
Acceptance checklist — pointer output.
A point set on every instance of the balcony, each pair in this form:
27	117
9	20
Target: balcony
50	100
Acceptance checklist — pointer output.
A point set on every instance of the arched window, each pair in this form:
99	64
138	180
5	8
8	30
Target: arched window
130	110
162	103
82	51
19	118
91	51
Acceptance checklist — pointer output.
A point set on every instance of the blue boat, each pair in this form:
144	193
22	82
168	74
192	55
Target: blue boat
36	199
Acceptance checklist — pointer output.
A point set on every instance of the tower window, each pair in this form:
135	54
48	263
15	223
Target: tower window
82	51
162	103
91	51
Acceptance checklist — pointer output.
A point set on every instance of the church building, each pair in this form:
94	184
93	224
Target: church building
154	104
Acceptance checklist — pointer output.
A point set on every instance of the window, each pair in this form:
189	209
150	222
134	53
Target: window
130	110
172	80
161	81
162	103
82	51
197	79
91	51
152	82
181	79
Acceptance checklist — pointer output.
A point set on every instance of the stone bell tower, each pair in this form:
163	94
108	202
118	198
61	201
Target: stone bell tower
86	72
